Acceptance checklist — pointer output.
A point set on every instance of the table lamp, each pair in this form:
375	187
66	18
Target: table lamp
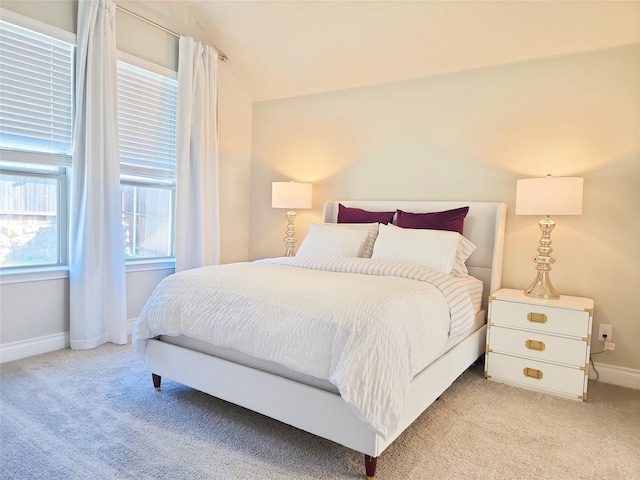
290	195
547	196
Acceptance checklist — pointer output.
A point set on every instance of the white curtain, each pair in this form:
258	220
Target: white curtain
98	304
197	198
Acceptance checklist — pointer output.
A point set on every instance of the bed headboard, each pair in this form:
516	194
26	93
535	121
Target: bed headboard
484	225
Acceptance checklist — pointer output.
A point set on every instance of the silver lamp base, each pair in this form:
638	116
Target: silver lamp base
541	286
290	239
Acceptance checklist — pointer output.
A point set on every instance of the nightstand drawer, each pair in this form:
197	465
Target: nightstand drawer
541	376
540	318
537	346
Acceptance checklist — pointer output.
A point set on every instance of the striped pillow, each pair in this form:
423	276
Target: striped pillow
320	238
464	251
439	249
372	229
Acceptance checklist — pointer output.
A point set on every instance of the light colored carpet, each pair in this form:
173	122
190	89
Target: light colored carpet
95	414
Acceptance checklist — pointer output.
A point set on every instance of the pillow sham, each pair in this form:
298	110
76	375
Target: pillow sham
372	232
358	215
330	240
437	249
464	251
452	220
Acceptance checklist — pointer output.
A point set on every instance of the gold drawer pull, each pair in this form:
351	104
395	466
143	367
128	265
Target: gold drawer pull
533	373
537	317
534	345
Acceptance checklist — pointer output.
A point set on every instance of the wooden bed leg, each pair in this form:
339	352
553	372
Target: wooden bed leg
370	464
156	381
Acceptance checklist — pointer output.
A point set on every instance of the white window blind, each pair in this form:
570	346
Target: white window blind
36	96
36	143
147	124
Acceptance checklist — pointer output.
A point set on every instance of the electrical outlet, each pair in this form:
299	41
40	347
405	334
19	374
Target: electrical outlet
605	330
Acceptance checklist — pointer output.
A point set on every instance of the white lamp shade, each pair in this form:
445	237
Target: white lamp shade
290	195
549	196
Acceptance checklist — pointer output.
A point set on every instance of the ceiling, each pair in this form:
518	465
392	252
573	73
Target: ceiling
280	49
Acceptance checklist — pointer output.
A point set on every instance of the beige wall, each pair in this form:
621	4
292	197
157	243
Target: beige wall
61	13
471	136
22	320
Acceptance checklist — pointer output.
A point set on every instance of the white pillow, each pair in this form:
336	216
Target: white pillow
436	249
372	231
332	240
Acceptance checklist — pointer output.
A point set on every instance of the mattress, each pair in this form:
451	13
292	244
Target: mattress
473	286
234	356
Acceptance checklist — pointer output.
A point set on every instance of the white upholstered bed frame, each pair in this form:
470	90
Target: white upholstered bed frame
324	413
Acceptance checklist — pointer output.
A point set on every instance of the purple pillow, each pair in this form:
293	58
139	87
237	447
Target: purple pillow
452	220
357	215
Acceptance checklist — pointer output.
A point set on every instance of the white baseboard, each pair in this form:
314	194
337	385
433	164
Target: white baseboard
33	346
36	346
621	376
130	324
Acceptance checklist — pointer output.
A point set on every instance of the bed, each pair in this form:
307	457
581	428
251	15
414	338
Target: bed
294	393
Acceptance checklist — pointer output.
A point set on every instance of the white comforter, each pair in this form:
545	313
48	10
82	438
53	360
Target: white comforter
367	326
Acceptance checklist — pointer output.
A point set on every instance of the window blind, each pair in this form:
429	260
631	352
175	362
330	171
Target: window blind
36	96
147	123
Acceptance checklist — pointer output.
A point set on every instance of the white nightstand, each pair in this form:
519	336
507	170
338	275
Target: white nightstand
539	344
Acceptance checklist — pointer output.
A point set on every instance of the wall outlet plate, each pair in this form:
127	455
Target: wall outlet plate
605	330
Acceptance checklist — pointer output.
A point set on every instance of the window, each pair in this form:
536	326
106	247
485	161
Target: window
147	128
36	131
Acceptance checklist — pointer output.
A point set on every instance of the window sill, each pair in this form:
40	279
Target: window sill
155	264
22	275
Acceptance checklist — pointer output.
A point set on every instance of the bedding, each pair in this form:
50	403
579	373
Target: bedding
385	322
474	288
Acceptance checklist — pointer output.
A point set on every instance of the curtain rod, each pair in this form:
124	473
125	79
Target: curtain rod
221	55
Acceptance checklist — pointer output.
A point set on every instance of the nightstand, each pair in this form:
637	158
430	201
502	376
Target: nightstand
539	344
